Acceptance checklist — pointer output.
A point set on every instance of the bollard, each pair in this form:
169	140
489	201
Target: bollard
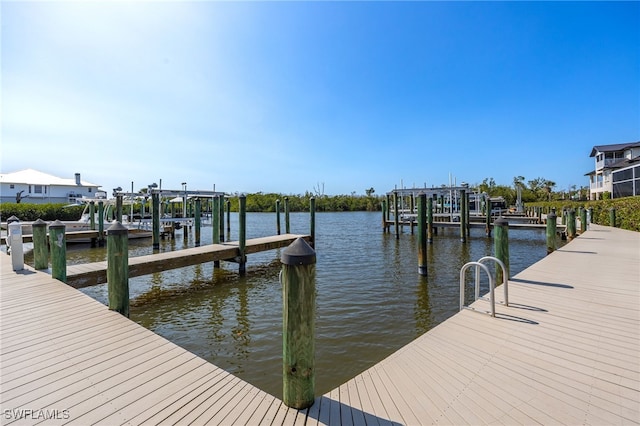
58	248
40	247
242	233
501	246
298	324
571	224
118	268
14	241
551	232
277	217
612	217
422	234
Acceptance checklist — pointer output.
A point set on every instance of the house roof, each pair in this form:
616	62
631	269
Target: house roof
35	177
613	147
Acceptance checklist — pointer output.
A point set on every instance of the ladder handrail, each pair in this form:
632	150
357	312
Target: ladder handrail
491	284
505	277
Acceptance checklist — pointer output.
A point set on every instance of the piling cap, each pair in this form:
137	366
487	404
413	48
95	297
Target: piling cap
13	219
57	224
39	223
501	221
298	253
117	229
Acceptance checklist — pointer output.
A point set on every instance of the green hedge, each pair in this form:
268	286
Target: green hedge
627	210
31	212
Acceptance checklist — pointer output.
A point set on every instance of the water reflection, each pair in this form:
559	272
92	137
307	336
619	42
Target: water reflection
370	298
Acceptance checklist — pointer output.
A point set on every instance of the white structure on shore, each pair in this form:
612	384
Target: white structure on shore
617	170
32	186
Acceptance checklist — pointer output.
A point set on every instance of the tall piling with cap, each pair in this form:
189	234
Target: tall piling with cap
215	225
40	245
58	248
287	227
501	246
312	220
298	324
422	233
583	220
463	216
551	231
118	268
198	220
155	220
242	233
571	224
278	217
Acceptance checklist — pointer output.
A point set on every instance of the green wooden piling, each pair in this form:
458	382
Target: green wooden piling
155	219
118	268
396	216
487	224
222	204
100	223
119	208
612	217
40	246
463	216
468	214
583	220
228	216
429	220
422	234
278	217
198	212
551	232
384	217
215	225
571	224
92	220
501	246
58	248
412	204
312	220
387	212
287	227
242	233
590	219
298	324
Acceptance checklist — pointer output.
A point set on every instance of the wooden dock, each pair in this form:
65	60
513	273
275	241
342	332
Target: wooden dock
89	274
567	351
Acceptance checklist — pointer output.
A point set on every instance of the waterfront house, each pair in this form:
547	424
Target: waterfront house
617	170
33	186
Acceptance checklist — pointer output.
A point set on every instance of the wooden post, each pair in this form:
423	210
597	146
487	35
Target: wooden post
388	212
215	224
118	268
467	203
571	224
155	219
100	223
298	324
58	247
92	221
412	203
612	217
590	219
242	233
222	204
463	216
40	249
384	216
583	220
430	220
278	217
487	227
396	217
287	228
229	217
501	246
119	208
312	219
551	232
198	212
422	234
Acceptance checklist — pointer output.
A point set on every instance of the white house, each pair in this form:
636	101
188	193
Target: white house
617	170
32	186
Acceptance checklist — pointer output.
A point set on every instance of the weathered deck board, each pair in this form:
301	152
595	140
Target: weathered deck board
567	351
89	274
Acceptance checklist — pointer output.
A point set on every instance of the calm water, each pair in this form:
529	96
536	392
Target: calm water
370	299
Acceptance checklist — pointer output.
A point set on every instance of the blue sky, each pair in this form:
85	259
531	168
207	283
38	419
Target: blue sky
291	96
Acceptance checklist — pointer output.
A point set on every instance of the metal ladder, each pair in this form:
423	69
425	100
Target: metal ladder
478	266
